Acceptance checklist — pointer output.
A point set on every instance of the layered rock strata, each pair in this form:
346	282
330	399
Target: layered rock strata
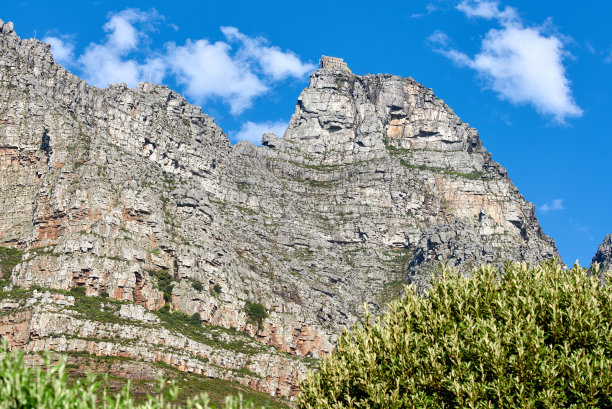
45	321
137	194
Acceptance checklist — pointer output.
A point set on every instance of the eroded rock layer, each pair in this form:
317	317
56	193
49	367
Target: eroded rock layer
136	194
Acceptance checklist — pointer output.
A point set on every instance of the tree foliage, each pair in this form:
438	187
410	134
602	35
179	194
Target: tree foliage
256	313
530	337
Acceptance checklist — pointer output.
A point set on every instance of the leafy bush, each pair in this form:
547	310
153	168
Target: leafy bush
78	291
195	319
197	285
217	288
25	388
532	337
165	282
256	313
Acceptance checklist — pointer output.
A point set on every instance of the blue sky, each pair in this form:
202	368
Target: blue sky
535	78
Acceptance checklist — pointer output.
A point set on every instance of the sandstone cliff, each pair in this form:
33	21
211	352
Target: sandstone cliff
137	194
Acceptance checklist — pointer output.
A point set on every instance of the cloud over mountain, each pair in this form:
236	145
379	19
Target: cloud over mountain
234	71
524	65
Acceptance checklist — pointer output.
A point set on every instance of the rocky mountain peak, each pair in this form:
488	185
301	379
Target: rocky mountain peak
604	254
137	195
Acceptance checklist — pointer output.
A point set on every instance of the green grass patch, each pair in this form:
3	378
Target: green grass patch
398	256
186	325
472	176
9	258
246	210
98	309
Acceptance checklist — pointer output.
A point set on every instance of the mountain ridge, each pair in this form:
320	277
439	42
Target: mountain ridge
138	195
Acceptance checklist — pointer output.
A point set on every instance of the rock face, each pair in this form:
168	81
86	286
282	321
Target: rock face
604	254
137	194
46	321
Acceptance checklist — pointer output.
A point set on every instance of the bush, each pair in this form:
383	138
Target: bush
538	337
78	291
25	388
165	283
195	319
9	258
197	285
217	288
256	313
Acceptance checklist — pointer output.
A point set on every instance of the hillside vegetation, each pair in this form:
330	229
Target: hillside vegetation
22	387
532	337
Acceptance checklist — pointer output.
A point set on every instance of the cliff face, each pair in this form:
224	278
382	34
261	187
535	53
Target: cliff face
137	194
604	254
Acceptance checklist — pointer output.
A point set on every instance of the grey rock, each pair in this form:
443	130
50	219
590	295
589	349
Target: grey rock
604	254
374	184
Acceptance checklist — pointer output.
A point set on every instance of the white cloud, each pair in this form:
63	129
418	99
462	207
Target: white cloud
123	36
271	60
109	62
522	64
488	9
62	49
429	9
439	38
251	131
556	204
608	59
208	70
236	71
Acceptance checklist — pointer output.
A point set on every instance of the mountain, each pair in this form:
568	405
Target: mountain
136	199
604	254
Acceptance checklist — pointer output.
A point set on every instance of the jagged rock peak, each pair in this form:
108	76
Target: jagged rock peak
604	254
344	118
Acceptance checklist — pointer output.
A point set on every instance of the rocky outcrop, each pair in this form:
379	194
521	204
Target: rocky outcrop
604	254
51	321
137	194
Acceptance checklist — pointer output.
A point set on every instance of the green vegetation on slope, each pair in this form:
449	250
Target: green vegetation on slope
9	258
24	388
527	337
188	384
473	176
211	335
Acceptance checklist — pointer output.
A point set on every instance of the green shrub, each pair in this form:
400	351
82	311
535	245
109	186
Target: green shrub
197	285
195	319
256	313
9	258
25	388
104	294
532	337
165	282
78	291
217	288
